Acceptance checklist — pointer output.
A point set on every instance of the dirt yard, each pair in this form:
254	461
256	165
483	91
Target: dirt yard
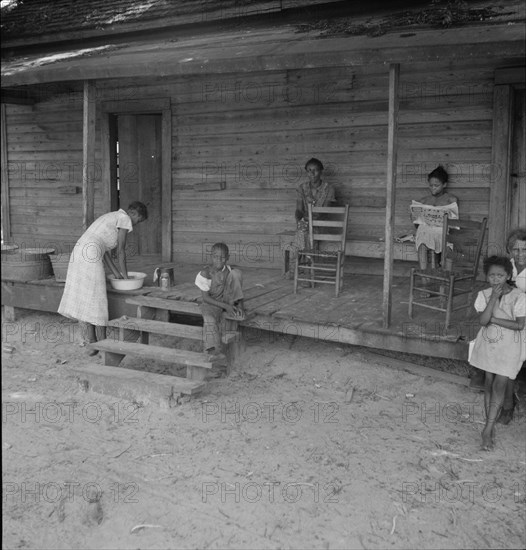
307	445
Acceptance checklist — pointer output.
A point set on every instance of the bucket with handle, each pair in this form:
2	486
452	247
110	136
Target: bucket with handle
164	277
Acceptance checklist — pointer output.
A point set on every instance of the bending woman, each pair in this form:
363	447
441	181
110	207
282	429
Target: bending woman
315	192
84	297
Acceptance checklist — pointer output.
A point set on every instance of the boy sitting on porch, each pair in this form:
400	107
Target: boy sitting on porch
221	291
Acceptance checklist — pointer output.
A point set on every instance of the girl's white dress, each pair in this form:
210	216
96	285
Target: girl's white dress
85	297
430	235
497	349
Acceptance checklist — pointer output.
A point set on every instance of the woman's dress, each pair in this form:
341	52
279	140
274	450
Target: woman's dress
84	295
519	278
323	195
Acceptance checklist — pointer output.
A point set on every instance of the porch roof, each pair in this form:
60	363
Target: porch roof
262	47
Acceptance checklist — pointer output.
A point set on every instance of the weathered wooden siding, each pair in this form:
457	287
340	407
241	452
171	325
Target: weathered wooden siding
254	132
44	165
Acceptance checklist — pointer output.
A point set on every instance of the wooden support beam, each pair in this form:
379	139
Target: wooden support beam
394	77
505	42
499	210
88	155
166	192
371	338
6	220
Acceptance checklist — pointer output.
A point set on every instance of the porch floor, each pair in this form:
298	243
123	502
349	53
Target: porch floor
355	317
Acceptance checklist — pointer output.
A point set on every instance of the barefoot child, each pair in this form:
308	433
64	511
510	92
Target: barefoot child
500	346
221	291
429	238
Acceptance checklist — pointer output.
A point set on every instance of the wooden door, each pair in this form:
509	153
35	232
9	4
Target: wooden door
140	176
517	206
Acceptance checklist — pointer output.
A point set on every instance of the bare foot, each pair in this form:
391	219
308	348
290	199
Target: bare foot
487	440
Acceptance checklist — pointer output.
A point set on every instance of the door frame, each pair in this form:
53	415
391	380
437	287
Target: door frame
507	80
160	106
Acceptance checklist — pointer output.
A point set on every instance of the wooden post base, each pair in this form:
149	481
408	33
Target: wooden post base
235	345
9	313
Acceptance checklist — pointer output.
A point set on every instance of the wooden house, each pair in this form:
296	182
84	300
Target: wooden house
207	111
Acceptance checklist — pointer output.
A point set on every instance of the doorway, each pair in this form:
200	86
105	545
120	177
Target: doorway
137	176
137	164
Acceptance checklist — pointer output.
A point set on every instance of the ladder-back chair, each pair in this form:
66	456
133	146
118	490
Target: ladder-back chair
319	263
458	272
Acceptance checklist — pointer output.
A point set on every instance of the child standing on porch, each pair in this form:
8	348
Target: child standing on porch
500	345
221	291
428	239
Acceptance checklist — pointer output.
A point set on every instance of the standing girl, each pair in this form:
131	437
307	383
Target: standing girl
500	346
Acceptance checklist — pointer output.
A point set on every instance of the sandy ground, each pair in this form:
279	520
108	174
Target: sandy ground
306	445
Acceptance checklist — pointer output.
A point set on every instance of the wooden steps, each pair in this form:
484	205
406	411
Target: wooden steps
198	364
168	329
178	306
159	353
136	386
158	327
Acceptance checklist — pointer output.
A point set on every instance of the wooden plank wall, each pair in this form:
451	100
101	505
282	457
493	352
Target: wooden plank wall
251	133
45	167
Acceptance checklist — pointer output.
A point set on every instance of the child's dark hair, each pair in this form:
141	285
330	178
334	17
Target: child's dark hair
501	261
140	208
223	247
440	174
316	162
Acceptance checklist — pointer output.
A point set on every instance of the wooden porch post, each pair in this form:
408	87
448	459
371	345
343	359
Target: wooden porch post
6	221
166	207
500	168
88	154
394	75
